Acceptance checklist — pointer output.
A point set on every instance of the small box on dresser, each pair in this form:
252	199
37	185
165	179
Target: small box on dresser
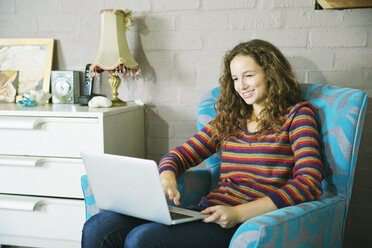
41	202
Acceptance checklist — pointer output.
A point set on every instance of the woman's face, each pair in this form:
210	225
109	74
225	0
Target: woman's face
249	80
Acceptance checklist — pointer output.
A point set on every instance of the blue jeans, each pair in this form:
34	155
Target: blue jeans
110	229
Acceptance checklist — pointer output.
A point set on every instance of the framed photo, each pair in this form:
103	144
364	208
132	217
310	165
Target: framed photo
32	58
8	86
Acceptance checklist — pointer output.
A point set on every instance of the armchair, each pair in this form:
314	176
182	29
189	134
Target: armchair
312	224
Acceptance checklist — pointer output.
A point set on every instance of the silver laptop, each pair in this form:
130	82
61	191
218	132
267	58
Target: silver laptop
132	186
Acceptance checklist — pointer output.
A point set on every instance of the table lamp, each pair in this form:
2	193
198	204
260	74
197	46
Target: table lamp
113	53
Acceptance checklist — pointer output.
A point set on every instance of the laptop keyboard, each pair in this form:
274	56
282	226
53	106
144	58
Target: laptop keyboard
177	216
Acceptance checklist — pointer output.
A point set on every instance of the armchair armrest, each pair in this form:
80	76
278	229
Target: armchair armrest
310	224
192	185
90	203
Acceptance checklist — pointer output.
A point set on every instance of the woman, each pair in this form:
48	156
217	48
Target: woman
271	158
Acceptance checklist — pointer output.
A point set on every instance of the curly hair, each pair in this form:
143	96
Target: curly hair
283	90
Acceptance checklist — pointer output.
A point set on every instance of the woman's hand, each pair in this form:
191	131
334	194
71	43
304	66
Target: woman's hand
169	183
224	216
228	217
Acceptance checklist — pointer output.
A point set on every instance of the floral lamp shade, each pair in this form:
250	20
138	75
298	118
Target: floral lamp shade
113	52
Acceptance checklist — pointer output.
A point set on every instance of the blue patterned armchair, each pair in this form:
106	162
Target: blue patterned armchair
312	224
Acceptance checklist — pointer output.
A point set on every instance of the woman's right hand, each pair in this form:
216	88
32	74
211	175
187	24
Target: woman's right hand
169	183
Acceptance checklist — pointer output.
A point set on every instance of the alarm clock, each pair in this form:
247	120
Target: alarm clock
65	86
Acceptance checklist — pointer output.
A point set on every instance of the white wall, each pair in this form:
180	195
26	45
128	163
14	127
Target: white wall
179	45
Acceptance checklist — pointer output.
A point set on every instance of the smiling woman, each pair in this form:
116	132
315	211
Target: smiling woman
281	91
249	81
269	141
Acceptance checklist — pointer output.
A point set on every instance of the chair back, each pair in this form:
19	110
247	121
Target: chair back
341	113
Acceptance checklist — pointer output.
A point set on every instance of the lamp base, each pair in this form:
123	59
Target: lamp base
117	103
114	82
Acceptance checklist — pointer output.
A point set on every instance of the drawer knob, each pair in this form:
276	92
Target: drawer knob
19	123
34	123
19	161
11	202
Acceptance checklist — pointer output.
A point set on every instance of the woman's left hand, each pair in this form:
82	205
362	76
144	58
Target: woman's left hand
225	216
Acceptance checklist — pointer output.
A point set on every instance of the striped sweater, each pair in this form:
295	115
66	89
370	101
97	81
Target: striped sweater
285	167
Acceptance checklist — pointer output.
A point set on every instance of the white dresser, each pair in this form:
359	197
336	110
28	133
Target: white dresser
41	201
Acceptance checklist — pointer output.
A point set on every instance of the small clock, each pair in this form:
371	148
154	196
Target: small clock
65	86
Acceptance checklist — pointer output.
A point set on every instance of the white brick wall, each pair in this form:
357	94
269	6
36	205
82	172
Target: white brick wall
179	45
339	37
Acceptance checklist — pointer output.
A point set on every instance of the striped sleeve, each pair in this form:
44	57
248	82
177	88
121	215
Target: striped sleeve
191	153
306	184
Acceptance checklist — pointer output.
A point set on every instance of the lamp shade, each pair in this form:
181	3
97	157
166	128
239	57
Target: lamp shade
113	53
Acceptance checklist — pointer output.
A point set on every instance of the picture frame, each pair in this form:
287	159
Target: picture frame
8	86
32	58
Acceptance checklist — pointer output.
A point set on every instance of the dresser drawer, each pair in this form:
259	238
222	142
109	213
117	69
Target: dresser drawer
41	218
59	177
49	136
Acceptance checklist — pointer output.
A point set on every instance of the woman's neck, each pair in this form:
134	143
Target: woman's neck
252	126
252	122
255	115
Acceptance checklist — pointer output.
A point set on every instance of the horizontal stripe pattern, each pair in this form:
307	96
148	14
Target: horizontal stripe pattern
287	167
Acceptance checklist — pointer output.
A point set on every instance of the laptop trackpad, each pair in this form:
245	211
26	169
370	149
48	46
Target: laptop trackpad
182	213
